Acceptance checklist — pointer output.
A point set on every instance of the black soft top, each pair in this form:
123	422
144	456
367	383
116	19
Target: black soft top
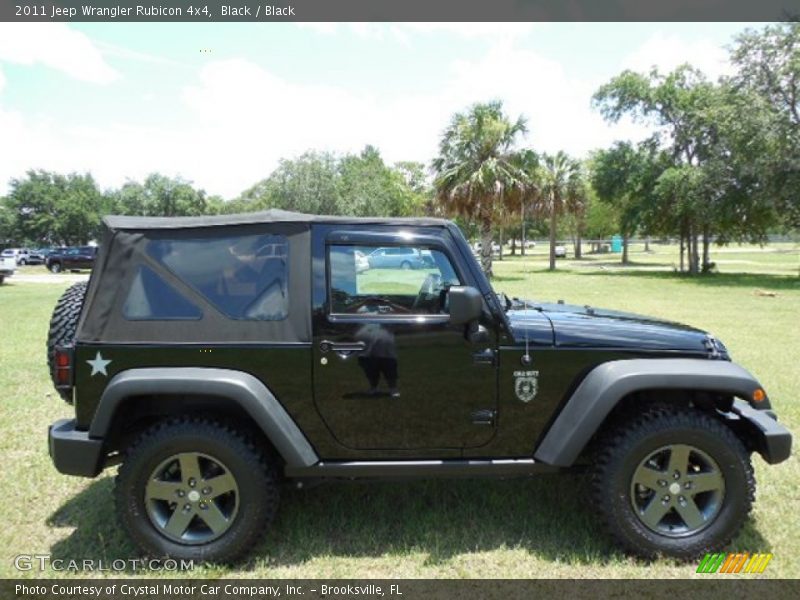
274	215
136	267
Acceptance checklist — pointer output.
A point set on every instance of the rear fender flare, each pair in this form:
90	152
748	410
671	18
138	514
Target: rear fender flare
244	389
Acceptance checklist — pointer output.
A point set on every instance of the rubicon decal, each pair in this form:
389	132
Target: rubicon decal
734	562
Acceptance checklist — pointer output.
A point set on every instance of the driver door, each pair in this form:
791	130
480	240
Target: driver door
391	372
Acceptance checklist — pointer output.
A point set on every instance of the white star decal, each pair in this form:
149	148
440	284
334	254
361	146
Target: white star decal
98	365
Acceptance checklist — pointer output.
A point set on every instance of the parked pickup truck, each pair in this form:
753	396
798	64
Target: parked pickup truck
72	259
219	359
8	266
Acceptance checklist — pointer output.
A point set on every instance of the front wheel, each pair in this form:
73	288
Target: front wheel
674	482
195	489
55	267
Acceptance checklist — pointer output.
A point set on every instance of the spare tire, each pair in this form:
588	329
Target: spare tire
64	324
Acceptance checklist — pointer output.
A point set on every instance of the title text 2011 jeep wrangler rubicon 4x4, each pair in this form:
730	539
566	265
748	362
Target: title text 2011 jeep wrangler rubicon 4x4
217	357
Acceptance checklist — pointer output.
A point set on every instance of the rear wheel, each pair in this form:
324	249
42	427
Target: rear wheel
673	481
55	267
195	489
405	265
64	324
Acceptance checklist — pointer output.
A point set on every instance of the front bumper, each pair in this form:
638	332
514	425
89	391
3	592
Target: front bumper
769	438
74	452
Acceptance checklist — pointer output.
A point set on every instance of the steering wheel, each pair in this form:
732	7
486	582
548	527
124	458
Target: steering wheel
429	287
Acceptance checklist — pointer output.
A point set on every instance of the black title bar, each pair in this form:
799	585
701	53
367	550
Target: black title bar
398	10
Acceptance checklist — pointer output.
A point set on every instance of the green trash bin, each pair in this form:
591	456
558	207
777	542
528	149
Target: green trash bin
616	243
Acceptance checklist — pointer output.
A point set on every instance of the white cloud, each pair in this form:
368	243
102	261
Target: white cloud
56	46
403	31
670	51
239	118
493	31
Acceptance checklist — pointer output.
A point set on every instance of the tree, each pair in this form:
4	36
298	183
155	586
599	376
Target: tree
624	177
700	125
423	200
769	71
324	183
49	208
160	196
478	168
561	189
368	187
307	183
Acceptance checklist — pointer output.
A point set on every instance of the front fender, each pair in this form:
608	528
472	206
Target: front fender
608	383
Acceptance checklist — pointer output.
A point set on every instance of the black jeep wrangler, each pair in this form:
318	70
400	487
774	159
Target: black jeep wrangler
217	358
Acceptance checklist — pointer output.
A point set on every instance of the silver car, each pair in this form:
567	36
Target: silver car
396	258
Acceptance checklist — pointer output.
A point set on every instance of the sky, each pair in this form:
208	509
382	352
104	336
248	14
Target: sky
220	104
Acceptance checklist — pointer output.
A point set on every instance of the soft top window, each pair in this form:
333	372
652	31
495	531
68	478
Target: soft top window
244	277
152	299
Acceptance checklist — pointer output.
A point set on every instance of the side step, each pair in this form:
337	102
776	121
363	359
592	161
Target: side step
389	469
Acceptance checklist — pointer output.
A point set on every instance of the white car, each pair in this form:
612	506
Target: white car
561	251
20	255
495	247
8	265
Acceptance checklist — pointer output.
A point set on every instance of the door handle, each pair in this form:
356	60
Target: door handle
483	417
484	357
326	346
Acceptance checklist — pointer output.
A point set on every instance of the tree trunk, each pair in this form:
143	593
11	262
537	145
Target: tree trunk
706	242
500	255
696	253
625	249
486	241
514	246
689	260
578	249
682	248
692	243
647	243
553	237
522	249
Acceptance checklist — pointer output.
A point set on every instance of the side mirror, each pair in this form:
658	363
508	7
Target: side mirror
466	304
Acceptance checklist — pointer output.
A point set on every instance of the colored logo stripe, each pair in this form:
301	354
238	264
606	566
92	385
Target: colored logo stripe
734	562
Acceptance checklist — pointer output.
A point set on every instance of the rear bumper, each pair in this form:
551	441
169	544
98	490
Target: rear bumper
770	439
73	452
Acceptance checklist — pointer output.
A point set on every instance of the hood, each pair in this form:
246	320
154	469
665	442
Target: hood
585	326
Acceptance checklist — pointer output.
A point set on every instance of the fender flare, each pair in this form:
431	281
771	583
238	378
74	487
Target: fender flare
240	387
609	382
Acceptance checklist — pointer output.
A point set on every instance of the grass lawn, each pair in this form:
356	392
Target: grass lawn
483	528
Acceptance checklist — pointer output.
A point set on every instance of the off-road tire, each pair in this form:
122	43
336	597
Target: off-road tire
253	472
64	324
619	453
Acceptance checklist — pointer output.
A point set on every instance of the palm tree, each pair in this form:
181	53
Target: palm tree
561	189
478	169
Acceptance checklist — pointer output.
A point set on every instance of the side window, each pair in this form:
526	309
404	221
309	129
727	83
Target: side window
244	277
152	299
389	281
